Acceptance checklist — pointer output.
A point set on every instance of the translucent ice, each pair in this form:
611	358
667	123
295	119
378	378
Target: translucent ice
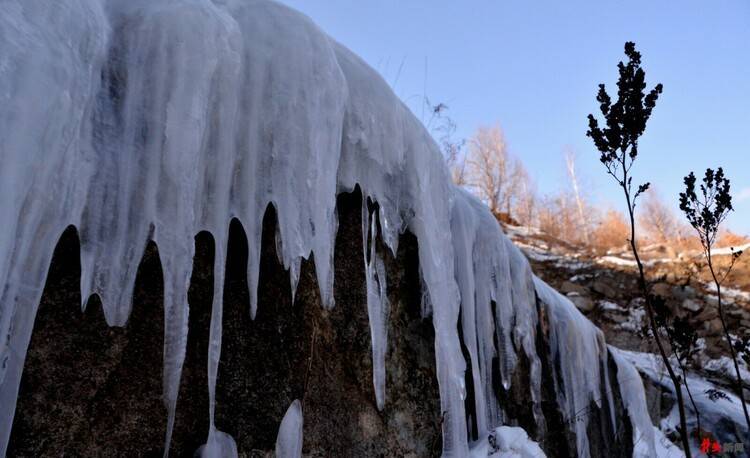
138	120
289	440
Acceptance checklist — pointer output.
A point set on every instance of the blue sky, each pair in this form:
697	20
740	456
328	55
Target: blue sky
533	67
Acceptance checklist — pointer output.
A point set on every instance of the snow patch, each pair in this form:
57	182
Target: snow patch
506	442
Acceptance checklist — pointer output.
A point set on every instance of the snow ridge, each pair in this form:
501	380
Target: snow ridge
155	120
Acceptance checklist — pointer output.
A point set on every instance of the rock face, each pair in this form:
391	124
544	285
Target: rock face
90	389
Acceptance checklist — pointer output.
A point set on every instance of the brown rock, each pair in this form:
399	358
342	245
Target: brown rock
662	289
683	292
604	287
713	327
583	303
690	304
570	287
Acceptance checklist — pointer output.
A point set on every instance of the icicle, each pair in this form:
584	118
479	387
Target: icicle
425	302
634	399
378	308
464	230
218	445
254	240
294	269
578	348
289	440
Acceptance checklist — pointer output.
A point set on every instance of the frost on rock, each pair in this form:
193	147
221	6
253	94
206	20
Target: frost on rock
139	120
289	440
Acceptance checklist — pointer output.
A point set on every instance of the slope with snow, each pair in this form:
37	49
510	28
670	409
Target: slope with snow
154	120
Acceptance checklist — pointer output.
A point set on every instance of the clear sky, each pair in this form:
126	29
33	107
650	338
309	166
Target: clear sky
533	67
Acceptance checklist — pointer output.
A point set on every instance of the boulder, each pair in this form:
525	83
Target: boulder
605	287
713	327
691	305
683	292
583	303
662	289
569	287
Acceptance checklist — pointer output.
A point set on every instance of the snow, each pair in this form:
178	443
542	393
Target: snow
665	448
727	294
723	417
725	251
611	306
137	120
542	253
724	366
616	261
636	317
623	262
521	231
506	442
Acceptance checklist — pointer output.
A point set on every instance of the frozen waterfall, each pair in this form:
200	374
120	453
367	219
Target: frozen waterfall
154	120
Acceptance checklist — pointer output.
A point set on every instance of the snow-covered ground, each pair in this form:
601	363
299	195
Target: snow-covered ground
506	442
721	416
727	294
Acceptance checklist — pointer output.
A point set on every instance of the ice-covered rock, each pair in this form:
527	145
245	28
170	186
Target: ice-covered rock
720	415
155	120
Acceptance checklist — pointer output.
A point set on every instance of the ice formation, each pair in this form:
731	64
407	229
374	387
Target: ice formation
137	120
635	403
581	348
289	440
507	442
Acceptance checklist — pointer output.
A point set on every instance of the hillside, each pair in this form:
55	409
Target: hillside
604	288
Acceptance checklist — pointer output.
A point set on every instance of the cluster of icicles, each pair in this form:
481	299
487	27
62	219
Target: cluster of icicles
154	120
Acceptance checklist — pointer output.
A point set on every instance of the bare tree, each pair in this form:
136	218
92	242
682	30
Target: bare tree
487	163
570	165
496	176
525	209
558	217
659	221
612	231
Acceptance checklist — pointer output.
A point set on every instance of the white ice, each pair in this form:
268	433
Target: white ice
138	120
289	440
634	399
506	442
